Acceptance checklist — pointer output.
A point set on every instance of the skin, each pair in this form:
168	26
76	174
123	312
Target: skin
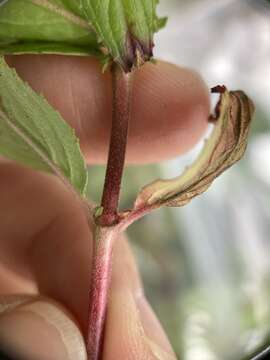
45	243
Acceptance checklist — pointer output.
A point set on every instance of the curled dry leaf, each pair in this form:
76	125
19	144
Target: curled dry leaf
224	148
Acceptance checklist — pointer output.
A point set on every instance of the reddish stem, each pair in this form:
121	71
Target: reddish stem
119	132
100	281
105	229
127	218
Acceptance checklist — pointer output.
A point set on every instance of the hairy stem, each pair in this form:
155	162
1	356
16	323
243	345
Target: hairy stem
120	121
100	282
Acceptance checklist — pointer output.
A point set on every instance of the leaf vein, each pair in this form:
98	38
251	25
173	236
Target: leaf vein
64	13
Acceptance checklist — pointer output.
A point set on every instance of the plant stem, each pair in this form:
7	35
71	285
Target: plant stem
100	281
119	132
106	228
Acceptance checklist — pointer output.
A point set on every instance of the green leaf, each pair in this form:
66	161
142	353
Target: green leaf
225	147
45	26
125	28
34	134
119	30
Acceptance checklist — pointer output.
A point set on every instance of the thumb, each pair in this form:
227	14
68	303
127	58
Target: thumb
35	328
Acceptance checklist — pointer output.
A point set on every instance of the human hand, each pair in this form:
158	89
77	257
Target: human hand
45	244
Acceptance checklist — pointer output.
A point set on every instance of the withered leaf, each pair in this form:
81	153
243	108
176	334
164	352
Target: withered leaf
225	147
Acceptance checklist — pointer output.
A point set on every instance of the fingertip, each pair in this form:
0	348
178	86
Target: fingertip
170	106
170	112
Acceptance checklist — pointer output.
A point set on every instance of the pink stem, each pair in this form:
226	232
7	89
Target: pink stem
127	218
100	281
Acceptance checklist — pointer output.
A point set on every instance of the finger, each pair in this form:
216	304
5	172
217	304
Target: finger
44	238
31	204
170	104
36	328
49	251
139	334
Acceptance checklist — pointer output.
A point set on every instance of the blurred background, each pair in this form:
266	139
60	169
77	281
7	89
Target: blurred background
205	266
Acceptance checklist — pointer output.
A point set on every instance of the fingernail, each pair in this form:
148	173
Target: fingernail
9	302
38	330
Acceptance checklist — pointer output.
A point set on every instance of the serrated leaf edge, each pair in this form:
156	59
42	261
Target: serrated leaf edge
43	156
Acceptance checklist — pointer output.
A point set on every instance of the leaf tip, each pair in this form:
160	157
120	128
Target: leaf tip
219	89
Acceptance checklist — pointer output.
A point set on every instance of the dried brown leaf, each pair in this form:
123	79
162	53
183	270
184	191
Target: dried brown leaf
226	146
